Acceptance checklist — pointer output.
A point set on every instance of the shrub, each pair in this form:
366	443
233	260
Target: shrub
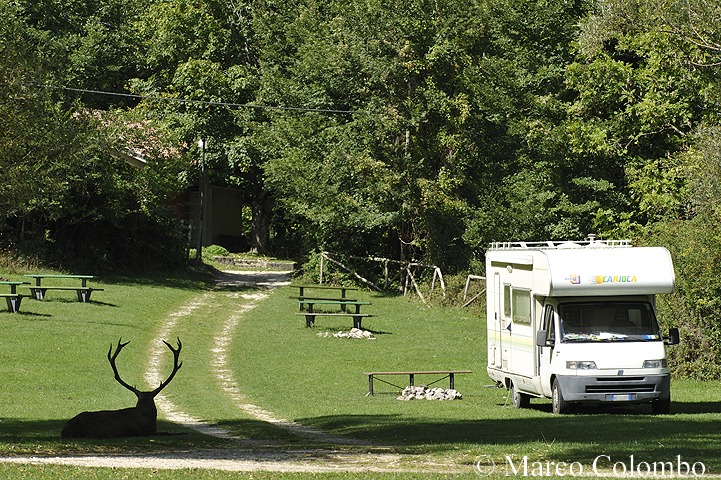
217	250
695	306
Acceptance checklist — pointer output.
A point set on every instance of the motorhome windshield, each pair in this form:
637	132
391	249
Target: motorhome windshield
608	322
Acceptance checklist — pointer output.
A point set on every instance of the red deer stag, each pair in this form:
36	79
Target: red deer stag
137	421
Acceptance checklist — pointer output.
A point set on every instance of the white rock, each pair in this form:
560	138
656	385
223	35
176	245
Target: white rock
423	392
353	333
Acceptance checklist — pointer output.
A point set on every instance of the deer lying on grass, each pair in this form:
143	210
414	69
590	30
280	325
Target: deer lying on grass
137	421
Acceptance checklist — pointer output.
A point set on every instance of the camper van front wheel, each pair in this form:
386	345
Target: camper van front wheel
661	407
559	404
520	400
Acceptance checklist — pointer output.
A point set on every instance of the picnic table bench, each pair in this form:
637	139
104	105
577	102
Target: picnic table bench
342	298
13	298
341	301
310	314
325	287
448	374
38	291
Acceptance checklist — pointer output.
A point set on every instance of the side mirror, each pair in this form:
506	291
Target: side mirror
541	338
674	338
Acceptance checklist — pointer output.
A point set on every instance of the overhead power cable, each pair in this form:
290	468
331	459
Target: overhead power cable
183	100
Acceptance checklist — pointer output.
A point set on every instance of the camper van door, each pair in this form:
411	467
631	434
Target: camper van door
499	327
522	328
548	324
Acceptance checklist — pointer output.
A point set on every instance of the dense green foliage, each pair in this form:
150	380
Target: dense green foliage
64	198
653	102
420	130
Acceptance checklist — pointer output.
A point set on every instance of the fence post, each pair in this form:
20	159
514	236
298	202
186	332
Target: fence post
322	257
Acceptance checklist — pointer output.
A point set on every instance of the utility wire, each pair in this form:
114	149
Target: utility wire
202	102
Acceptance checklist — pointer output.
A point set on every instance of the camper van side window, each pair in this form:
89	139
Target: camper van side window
506	301
521	306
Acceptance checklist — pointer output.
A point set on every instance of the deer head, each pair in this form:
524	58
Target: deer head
137	421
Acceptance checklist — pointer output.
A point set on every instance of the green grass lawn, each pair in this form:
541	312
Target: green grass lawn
53	366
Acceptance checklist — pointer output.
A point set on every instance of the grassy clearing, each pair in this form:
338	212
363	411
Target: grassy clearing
287	368
52	362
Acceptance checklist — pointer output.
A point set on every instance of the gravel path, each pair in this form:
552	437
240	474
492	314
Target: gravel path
235	461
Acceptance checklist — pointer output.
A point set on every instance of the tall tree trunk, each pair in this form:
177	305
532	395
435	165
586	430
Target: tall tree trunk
262	208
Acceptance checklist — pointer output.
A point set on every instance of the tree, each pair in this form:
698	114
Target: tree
694	22
40	136
646	84
444	85
65	199
204	52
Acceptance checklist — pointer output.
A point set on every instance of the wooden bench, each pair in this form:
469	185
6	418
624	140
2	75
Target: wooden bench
357	317
13	298
83	291
310	314
448	374
341	301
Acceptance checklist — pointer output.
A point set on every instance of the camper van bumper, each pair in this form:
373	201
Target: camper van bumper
630	388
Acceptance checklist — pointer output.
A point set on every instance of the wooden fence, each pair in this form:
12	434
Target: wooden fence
405	270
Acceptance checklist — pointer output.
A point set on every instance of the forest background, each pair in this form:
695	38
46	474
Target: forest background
422	129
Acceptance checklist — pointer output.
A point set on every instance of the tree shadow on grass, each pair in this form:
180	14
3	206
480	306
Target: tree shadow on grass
234	288
677	408
26	315
571	438
19	436
567	438
19	431
68	299
255	441
200	281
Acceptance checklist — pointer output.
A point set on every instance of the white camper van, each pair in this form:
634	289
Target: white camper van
575	322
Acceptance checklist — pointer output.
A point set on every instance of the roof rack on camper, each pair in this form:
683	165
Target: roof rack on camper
592	242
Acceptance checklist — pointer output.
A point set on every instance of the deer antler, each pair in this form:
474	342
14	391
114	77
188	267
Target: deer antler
176	366
112	358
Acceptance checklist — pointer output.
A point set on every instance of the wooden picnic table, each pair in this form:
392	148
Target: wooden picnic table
13	298
301	294
310	314
83	291
448	374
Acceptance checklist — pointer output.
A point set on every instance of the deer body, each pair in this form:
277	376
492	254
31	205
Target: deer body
137	421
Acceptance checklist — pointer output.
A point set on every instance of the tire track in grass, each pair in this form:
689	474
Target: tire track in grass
224	375
153	376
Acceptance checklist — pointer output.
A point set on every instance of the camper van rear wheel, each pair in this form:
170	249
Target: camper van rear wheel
559	404
520	400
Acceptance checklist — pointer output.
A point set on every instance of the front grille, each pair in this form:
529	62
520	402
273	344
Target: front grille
620	379
611	389
620	385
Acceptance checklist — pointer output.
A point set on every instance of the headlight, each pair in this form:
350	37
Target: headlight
655	363
581	365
